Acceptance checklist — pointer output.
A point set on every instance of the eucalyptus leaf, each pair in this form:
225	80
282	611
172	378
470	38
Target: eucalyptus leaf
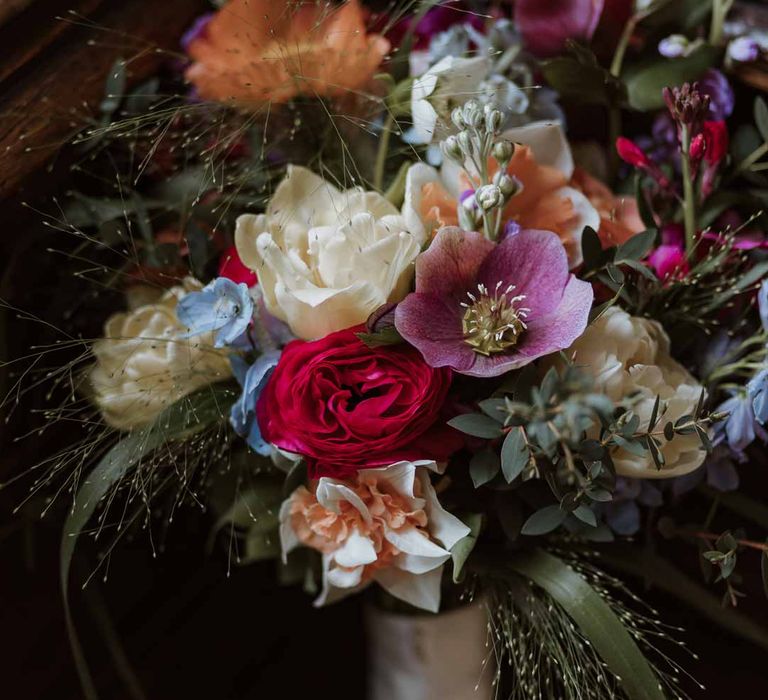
544	520
476	424
761	117
515	454
483	467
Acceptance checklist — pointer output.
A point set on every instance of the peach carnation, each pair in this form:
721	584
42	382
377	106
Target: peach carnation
256	51
384	525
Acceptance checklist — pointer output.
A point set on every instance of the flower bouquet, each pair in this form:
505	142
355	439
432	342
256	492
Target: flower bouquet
463	305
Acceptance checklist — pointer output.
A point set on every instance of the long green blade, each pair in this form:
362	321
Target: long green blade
595	619
185	418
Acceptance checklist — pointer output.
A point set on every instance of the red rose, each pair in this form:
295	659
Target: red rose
345	406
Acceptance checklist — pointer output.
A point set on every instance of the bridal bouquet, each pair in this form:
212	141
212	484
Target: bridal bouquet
442	302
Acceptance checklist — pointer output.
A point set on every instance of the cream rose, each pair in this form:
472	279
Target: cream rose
145	362
326	258
630	361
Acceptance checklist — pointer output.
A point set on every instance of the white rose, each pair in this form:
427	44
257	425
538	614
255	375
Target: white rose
145	363
327	258
630	361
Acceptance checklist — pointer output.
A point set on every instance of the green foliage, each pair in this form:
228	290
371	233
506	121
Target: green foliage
463	548
646	81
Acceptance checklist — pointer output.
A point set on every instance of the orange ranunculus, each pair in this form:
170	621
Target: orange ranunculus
619	216
257	51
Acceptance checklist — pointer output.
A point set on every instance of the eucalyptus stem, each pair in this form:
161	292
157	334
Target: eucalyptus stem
689	201
381	153
621	47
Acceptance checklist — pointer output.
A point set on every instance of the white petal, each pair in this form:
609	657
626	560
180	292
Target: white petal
288	539
330	592
586	215
413	541
330	493
414	564
547	142
443	526
417	176
422	591
356	551
400	476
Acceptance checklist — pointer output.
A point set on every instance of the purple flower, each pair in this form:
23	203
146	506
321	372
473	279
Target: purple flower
546	26
198	28
721	97
757	390
622	513
484	309
744	50
719	470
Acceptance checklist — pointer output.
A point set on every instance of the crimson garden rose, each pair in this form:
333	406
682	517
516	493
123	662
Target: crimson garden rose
345	406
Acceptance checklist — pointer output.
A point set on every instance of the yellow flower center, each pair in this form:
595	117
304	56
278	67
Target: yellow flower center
493	322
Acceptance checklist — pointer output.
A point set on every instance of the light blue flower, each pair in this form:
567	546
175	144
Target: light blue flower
738	429
757	389
762	304
253	379
222	306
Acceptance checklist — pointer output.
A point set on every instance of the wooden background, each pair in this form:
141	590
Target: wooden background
186	629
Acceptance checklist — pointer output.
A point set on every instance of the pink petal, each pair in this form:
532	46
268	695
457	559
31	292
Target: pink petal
535	262
546	25
450	264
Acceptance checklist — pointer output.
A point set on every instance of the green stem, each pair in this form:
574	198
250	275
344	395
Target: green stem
381	153
720	9
621	47
689	201
752	158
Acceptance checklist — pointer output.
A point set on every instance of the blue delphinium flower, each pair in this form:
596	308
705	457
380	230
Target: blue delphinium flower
738	429
253	379
762	304
719	470
222	306
757	390
623	513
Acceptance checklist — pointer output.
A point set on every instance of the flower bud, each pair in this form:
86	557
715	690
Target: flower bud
471	114
493	118
469	215
452	149
508	184
465	143
489	197
503	151
457	118
674	46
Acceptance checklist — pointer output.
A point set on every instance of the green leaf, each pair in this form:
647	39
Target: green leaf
761	117
256	509
544	520
586	515
636	247
114	89
476	424
646	82
483	467
463	548
386	336
643	206
659	572
188	416
591	249
595	619
764	570
514	454
586	83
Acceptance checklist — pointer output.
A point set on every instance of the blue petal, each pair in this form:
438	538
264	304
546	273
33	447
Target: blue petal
758	392
243	413
222	306
762	304
623	517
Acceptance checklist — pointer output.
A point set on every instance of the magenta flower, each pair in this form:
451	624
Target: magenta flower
484	309
546	26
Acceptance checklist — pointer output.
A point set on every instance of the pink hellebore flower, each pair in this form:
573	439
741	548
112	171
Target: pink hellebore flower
546	26
484	309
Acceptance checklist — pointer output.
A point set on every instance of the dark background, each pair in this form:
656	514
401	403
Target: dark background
177	626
